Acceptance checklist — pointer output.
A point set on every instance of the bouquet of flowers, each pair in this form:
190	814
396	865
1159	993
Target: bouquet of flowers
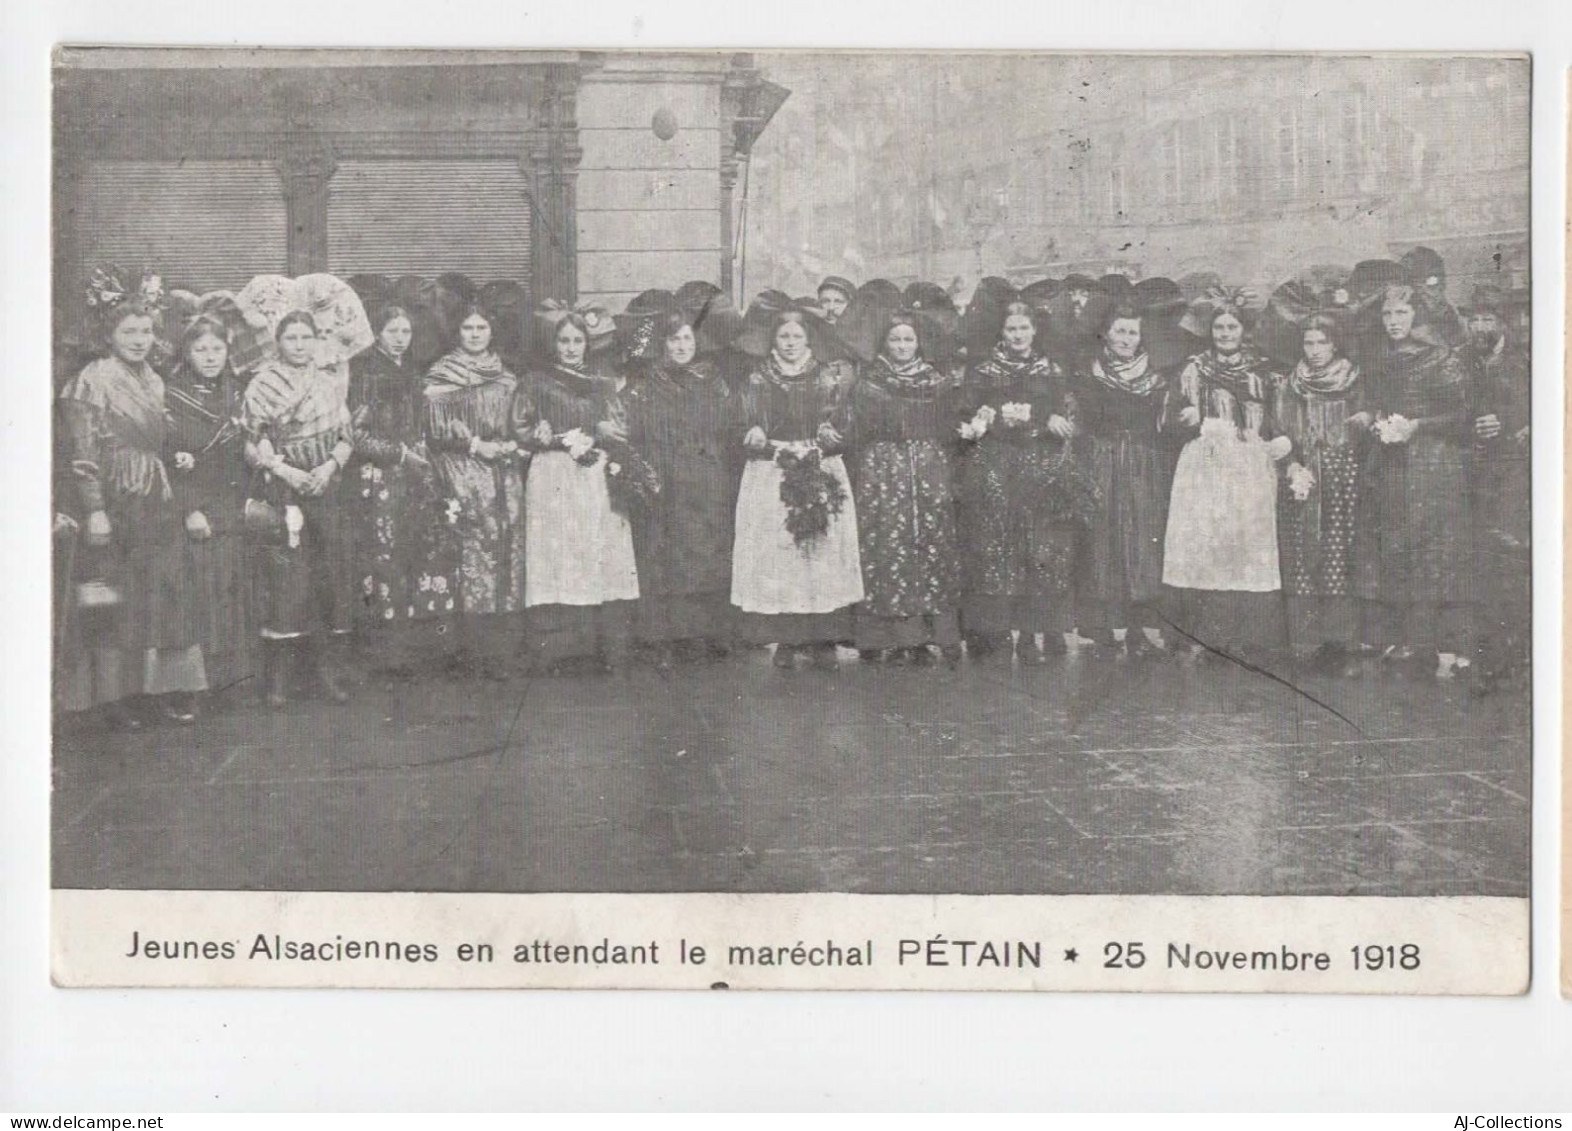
977	427
1016	413
631	480
1059	492
810	494
1394	429
1301	481
580	445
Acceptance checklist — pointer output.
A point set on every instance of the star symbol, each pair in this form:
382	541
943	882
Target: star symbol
1071	955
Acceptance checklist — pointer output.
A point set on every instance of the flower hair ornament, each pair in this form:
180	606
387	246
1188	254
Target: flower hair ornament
109	286
598	321
1245	303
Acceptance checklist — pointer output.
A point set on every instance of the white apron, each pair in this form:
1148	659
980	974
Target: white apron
770	573
577	549
1222	514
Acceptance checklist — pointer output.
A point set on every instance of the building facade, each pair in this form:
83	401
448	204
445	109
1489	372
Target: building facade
950	168
578	174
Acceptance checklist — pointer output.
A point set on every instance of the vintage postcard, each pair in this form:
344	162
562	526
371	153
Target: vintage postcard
791	520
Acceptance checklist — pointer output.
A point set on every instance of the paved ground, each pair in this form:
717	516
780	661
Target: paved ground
1079	775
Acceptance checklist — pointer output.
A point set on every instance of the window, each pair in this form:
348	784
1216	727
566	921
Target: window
1350	145
203	225
425	217
1287	167
1226	145
1171	165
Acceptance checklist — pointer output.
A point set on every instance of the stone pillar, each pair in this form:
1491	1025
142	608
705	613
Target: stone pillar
306	170
551	163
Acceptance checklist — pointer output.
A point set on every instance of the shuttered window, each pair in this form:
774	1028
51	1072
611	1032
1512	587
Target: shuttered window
426	217
203	225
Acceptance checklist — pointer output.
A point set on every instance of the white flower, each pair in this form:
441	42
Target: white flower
969	431
366	470
439	584
1016	412
382	494
449	605
614	469
382	590
424	583
365	492
387	614
986	414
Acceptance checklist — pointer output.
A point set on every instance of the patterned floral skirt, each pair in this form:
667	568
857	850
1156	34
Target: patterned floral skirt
906	530
485	502
406	562
1317	537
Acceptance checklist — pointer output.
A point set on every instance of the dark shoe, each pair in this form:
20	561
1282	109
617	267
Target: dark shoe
920	657
785	656
1054	645
717	650
179	708
824	658
952	655
871	655
123	717
1136	643
980	644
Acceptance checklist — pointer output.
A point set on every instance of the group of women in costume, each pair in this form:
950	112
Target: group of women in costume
867	468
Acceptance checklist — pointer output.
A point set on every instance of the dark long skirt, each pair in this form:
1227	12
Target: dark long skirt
874	632
308	588
1232	622
1122	571
1428	626
793	629
150	640
1414	543
554	633
218	573
685	616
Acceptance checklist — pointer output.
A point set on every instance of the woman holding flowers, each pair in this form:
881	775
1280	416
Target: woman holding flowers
469	397
581	580
1412	548
1318	407
1016	568
796	570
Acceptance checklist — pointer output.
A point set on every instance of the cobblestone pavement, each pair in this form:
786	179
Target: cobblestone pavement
1080	775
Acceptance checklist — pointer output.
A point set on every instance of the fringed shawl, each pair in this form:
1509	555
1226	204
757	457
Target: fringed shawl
115	415
469	396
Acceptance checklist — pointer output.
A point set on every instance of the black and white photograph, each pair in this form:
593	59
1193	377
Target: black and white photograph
792	473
